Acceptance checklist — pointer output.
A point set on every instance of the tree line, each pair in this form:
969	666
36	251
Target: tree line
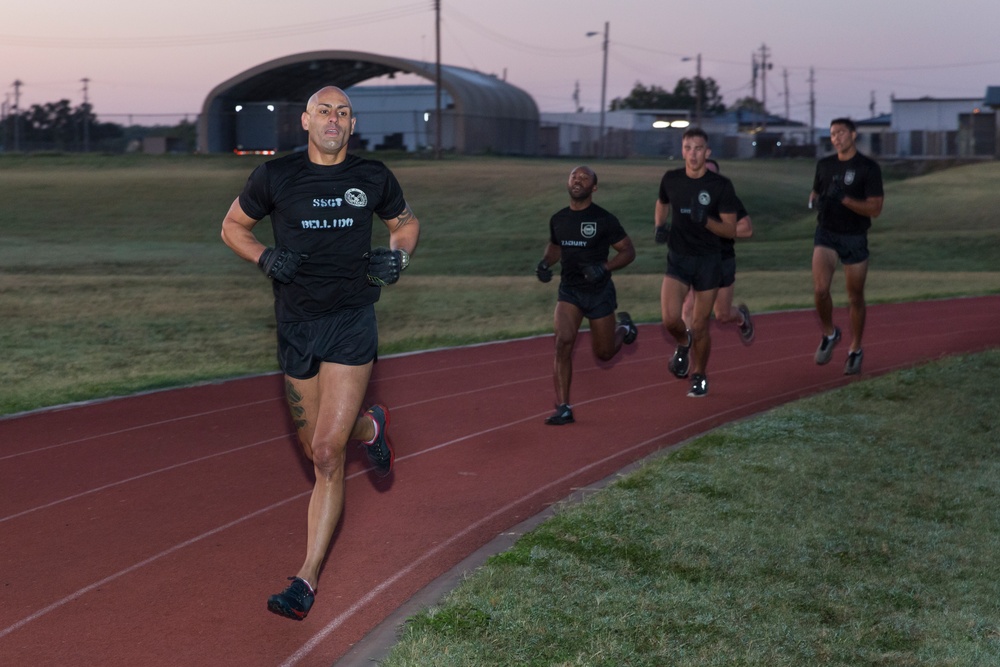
684	96
59	126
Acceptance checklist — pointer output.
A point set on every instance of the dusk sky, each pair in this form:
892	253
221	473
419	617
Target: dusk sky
154	62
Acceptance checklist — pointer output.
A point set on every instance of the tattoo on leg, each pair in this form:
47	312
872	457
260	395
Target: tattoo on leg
294	399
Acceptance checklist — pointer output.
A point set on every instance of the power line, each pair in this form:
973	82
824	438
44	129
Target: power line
212	39
523	46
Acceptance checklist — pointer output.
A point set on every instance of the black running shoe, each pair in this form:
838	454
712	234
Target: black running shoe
625	320
699	386
746	329
825	350
295	601
681	362
562	415
853	365
379	450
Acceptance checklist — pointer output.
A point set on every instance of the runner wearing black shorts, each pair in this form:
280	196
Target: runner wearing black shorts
725	311
695	210
580	237
847	191
326	278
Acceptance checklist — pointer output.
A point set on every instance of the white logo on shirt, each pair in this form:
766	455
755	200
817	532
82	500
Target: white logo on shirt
356	197
588	229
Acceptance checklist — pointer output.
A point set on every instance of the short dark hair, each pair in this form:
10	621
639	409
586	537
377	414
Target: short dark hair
592	173
695	132
846	122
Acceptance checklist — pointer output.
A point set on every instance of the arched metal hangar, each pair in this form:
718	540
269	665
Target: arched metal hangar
486	115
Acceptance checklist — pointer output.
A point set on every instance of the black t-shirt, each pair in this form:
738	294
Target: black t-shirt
325	211
584	237
713	191
860	178
729	245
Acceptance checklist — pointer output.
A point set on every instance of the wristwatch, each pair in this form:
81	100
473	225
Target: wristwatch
404	259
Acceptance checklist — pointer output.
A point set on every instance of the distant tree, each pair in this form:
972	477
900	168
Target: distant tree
642	97
683	97
748	103
58	126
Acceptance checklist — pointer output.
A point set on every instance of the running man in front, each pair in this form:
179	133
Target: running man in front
695	210
326	279
725	311
580	236
847	190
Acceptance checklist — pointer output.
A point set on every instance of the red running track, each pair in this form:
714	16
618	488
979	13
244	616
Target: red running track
150	530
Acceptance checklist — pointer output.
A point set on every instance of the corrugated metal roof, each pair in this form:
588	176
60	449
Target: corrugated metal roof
489	114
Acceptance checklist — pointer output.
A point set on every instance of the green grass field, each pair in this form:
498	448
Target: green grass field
114	278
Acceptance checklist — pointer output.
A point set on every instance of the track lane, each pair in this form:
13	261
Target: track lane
176	493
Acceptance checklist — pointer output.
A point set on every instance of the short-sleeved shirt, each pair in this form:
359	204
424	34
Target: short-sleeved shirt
860	177
729	245
584	237
713	191
326	212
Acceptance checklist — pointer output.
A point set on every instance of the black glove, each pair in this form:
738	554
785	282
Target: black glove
280	263
384	266
699	212
543	272
836	192
594	273
662	234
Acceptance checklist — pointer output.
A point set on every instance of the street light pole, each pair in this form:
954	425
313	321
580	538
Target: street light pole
697	89
604	89
437	79
604	86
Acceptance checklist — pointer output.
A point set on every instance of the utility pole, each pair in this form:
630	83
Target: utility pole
788	113
699	91
437	78
3	118
871	106
764	66
812	107
604	89
17	115
86	117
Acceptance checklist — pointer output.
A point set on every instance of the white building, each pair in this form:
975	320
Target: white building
395	117
930	126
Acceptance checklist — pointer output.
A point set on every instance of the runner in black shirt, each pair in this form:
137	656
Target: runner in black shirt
847	190
580	236
724	310
701	206
326	279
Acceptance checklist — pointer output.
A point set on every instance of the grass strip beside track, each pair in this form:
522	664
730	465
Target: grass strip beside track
858	527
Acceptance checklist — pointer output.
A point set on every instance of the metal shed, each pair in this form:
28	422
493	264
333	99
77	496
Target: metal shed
487	114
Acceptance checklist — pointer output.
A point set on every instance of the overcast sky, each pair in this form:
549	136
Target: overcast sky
152	62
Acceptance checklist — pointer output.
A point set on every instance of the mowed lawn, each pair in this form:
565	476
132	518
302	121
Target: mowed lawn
114	279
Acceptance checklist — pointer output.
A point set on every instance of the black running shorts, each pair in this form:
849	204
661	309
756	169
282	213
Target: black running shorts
850	248
348	337
728	271
593	304
702	272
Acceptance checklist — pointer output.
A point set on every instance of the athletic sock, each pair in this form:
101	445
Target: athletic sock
374	437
